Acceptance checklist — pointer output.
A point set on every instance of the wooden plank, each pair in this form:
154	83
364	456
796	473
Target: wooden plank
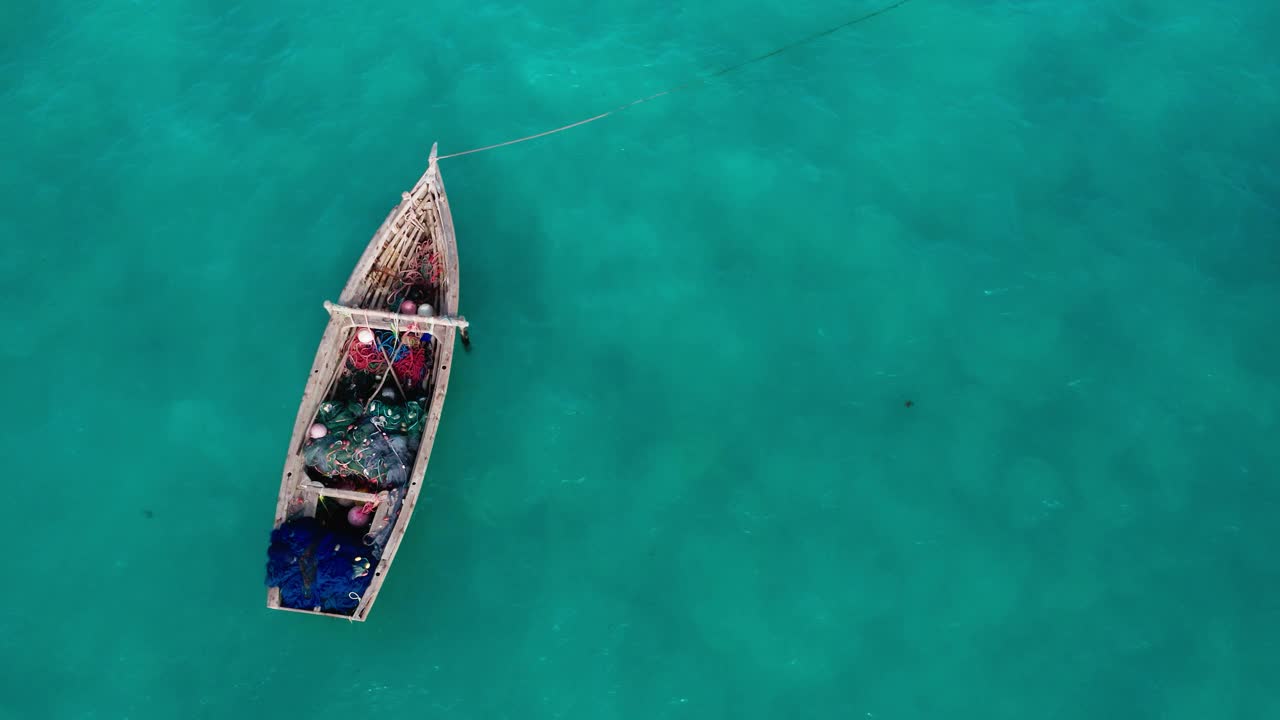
337	494
383	320
359	279
318	613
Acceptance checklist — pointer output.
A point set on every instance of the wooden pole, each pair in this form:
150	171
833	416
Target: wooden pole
340	494
383	320
390	371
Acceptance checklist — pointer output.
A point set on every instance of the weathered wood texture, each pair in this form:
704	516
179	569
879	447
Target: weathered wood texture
421	216
338	494
383	320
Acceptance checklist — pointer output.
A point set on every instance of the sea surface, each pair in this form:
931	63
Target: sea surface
927	370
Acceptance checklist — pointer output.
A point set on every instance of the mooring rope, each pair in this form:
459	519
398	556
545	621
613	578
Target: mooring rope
695	81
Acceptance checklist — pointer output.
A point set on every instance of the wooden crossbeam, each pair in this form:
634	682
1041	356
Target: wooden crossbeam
383	320
336	494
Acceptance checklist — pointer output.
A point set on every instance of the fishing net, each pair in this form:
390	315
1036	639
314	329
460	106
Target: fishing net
338	415
408	353
378	445
318	567
405	419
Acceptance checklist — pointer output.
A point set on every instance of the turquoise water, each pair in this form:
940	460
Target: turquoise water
677	477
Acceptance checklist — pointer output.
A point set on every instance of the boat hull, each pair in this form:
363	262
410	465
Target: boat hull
422	212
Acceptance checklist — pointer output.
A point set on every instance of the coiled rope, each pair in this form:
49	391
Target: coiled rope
722	71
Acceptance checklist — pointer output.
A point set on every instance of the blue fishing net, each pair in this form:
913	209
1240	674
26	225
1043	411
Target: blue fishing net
318	567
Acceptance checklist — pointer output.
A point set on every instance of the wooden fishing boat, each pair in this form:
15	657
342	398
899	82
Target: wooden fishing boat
369	414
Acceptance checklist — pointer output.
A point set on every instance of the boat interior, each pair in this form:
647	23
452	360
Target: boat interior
372	395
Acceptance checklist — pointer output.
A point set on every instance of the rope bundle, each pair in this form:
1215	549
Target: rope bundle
372	357
424	275
412	365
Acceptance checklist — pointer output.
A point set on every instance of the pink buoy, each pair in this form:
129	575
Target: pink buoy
318	430
358	516
364	335
408	307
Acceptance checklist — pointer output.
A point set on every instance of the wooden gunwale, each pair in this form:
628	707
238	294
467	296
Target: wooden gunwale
424	209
